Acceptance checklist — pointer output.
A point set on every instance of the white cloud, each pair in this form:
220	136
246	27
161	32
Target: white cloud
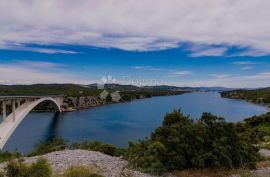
251	53
139	25
219	76
147	68
36	72
246	68
206	51
245	63
262	80
182	73
21	47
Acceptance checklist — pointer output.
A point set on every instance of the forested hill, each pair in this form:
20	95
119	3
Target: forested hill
87	90
48	89
255	96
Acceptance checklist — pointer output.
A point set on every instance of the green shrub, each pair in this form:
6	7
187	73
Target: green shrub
2	174
20	169
182	143
80	171
17	169
41	169
145	156
56	144
6	156
100	147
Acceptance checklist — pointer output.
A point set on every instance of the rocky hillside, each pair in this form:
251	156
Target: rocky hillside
83	102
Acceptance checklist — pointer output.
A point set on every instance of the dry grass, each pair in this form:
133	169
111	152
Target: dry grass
263	164
82	171
213	173
202	173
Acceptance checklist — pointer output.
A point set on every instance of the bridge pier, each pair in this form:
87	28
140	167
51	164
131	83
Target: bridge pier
19	103
4	106
13	110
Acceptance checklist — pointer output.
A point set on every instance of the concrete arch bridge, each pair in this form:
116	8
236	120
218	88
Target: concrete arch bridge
21	106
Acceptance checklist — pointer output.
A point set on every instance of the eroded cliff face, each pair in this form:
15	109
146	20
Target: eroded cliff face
83	102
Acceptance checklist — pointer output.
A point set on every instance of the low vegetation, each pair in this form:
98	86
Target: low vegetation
81	171
214	173
132	95
257	129
56	144
184	143
41	168
19	168
6	156
100	147
255	96
59	144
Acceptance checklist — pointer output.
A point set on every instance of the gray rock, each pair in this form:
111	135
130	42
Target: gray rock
265	152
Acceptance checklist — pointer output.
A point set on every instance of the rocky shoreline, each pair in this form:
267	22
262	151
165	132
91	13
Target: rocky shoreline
84	102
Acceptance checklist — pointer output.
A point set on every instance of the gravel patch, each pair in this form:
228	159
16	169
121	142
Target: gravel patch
108	166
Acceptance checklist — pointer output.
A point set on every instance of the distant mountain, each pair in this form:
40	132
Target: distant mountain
159	87
118	87
92	89
213	89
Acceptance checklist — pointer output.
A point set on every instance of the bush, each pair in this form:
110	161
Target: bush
2	174
20	169
17	169
56	144
182	143
6	156
41	169
145	156
100	147
80	171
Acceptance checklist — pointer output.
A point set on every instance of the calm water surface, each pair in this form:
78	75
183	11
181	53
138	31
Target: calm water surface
119	123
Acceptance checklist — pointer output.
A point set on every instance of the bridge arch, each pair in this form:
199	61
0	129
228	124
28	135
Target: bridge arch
11	122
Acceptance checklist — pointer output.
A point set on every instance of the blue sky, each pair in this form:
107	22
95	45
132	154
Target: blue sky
177	66
183	43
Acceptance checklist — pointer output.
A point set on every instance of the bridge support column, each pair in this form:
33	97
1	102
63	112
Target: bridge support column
13	110
4	105
19	103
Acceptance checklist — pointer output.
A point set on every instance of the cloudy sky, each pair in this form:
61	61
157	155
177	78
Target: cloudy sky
176	42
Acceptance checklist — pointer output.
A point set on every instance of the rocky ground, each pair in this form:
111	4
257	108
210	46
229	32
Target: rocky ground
107	165
83	102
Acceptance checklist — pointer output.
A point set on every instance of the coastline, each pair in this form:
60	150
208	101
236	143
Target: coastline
266	105
99	102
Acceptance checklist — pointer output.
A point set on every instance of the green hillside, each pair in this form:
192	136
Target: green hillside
255	96
48	89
